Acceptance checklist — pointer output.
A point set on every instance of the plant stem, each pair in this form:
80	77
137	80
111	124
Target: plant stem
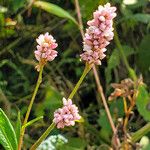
79	18
86	70
44	135
30	107
141	132
50	128
123	56
100	90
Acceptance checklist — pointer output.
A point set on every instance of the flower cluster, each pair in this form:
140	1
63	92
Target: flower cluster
67	115
45	48
98	35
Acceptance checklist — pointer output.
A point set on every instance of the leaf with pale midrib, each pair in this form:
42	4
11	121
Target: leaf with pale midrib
54	9
7	134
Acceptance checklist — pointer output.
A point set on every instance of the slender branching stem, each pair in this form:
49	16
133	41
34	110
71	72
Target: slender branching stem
79	17
86	70
44	135
100	90
30	107
140	133
51	127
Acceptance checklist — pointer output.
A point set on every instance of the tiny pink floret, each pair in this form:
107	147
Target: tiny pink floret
67	115
98	35
46	48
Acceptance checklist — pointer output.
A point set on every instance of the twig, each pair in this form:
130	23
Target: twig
30	107
100	90
79	18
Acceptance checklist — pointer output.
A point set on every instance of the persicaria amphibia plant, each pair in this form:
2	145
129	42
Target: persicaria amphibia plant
97	37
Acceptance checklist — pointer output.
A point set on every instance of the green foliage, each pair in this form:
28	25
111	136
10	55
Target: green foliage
144	54
144	18
143	103
7	134
113	62
74	144
87	7
21	25
117	111
52	101
17	4
54	9
115	59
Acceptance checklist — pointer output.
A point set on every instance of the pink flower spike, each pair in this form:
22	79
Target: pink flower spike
67	115
98	35
45	48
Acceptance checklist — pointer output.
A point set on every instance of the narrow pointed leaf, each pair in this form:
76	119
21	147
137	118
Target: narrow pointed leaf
54	9
32	121
7	134
143	103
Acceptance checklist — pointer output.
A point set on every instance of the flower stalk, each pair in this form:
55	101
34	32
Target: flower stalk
100	90
86	70
44	135
51	127
30	107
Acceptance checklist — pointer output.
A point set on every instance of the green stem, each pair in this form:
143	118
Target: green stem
86	70
123	56
30	107
141	132
44	135
50	128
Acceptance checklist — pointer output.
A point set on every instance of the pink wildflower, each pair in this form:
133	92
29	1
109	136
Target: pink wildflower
45	48
67	115
98	35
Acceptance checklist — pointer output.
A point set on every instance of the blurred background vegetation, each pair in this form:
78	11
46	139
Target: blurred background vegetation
21	22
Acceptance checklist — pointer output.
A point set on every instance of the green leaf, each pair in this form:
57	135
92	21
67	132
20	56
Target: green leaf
88	7
144	18
144	54
128	50
52	101
74	144
18	126
54	9
104	122
32	121
143	103
7	134
17	4
113	62
117	111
